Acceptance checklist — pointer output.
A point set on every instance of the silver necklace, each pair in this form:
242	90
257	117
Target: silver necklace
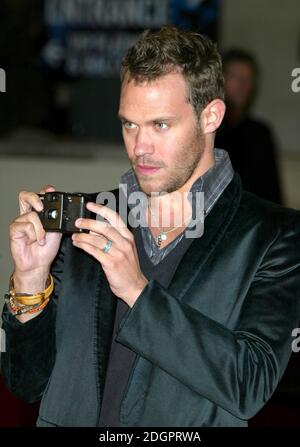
162	235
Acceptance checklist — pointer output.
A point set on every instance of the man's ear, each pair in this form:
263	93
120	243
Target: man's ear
212	116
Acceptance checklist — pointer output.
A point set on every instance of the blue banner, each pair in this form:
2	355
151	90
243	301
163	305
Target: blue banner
89	37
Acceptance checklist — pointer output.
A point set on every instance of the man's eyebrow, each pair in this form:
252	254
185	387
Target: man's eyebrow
121	117
159	118
165	118
162	118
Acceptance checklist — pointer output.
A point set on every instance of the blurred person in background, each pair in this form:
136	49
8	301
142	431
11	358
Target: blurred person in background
249	141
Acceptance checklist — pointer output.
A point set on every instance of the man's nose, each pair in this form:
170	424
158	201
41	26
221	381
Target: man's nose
143	143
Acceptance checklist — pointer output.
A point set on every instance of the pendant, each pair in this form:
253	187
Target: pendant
161	237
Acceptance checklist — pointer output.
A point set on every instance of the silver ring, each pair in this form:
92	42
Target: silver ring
107	246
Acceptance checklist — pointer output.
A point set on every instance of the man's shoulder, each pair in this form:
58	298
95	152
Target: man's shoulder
270	215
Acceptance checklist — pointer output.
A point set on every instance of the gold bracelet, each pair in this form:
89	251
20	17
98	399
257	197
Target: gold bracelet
31	300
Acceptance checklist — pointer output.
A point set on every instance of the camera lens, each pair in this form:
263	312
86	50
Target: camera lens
52	214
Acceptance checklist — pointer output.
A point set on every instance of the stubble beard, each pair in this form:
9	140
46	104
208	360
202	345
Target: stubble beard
185	164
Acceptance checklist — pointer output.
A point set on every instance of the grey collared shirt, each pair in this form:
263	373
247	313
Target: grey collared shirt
212	183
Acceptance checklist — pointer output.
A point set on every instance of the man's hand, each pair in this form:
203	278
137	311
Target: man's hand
32	249
121	264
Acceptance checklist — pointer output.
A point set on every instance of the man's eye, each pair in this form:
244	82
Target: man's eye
161	125
129	125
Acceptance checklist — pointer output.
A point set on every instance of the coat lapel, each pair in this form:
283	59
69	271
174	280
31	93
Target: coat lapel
92	280
215	225
105	312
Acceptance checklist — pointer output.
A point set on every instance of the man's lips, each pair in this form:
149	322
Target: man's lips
144	169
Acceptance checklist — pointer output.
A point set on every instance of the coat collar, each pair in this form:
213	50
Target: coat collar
215	225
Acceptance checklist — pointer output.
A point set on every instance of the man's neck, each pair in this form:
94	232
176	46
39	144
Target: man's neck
177	201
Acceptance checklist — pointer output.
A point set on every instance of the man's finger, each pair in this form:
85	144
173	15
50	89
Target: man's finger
97	240
19	230
28	201
33	218
111	216
101	229
47	188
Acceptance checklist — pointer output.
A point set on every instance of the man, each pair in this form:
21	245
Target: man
249	141
146	326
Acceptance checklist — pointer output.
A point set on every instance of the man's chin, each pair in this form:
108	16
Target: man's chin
147	186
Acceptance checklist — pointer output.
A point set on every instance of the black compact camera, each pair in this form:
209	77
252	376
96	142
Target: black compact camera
61	209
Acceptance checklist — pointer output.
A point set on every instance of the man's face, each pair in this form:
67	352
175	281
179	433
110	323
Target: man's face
161	133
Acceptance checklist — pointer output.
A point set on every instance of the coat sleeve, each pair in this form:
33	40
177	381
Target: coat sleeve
236	369
30	350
